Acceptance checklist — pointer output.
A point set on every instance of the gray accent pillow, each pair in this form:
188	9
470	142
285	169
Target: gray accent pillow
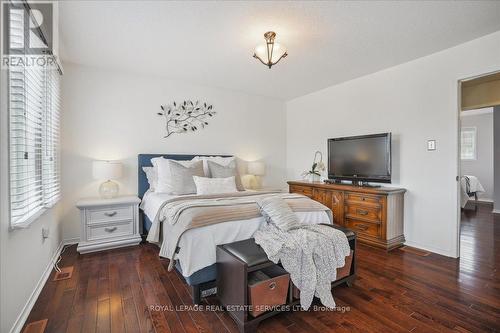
277	211
225	171
182	176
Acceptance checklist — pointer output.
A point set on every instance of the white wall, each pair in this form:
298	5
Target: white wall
109	115
24	255
482	166
416	101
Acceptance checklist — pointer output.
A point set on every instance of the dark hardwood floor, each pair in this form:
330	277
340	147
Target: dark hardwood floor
395	292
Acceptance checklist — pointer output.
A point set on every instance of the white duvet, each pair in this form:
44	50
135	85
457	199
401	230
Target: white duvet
197	246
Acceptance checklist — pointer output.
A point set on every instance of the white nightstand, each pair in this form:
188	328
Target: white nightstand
108	223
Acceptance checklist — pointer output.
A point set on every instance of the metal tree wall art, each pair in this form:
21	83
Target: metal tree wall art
185	117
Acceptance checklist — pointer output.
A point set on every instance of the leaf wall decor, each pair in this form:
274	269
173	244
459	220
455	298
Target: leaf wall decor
185	117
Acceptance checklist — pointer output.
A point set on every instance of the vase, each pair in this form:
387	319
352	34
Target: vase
314	178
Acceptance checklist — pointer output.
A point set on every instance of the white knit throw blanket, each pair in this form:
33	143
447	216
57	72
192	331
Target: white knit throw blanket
311	254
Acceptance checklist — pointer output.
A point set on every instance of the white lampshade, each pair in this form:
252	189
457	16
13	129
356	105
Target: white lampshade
256	168
106	170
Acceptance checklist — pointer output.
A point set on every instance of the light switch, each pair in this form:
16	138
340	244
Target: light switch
431	144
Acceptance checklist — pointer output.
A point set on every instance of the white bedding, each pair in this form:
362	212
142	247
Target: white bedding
475	187
193	254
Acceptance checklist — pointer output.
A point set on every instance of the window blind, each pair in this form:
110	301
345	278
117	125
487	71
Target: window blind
34	105
468	143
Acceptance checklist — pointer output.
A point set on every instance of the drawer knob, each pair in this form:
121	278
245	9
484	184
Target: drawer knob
110	214
362	227
110	229
272	285
362	212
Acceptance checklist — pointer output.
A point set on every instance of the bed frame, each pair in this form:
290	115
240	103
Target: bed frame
202	282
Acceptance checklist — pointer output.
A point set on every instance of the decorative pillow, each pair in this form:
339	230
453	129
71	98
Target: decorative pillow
176	177
205	185
217	159
277	211
152	176
224	171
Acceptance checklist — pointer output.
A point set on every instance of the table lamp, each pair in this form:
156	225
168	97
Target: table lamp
257	169
108	171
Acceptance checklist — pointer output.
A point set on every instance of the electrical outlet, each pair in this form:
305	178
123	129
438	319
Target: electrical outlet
431	145
45	233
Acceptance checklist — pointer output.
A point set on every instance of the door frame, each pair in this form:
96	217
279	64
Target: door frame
458	150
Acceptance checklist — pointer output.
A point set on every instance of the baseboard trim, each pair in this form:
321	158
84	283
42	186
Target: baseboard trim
71	241
430	249
21	319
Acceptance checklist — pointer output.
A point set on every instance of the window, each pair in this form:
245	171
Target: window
34	105
468	143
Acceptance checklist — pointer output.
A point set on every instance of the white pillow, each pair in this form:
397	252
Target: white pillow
156	160
164	180
205	185
217	159
152	176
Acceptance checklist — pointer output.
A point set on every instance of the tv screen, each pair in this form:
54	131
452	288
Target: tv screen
362	158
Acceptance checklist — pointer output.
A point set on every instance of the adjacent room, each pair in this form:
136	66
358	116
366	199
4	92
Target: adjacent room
479	146
249	166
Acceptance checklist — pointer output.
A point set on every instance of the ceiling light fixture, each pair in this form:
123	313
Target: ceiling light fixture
272	52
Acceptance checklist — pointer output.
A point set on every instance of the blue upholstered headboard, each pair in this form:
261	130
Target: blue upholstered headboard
144	160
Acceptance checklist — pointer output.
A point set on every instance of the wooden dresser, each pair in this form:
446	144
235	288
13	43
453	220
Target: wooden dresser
375	214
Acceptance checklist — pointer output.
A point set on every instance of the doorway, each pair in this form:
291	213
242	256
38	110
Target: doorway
479	169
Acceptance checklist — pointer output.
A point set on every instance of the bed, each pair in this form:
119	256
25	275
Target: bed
195	263
470	187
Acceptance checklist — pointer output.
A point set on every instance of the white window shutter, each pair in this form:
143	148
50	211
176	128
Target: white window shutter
34	106
51	163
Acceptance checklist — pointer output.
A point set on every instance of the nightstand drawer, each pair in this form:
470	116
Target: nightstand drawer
110	230
108	214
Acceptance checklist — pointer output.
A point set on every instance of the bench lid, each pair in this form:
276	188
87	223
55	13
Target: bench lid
247	251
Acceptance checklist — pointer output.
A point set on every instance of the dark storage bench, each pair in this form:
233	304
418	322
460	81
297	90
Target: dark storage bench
248	283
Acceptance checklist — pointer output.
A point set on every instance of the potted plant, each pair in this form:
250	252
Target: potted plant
317	168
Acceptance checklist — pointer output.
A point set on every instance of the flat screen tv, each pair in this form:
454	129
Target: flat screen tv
361	159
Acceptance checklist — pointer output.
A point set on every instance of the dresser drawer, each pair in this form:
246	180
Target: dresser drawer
110	230
369	213
363	228
117	213
305	190
364	198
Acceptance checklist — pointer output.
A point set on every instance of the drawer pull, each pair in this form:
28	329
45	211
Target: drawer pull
110	214
272	285
110	229
362	212
362	227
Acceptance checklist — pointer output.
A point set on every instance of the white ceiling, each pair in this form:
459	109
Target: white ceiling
211	43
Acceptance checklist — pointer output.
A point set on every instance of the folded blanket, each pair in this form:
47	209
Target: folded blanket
310	253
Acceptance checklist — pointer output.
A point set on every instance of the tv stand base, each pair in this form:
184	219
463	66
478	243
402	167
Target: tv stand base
358	183
363	184
375	214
